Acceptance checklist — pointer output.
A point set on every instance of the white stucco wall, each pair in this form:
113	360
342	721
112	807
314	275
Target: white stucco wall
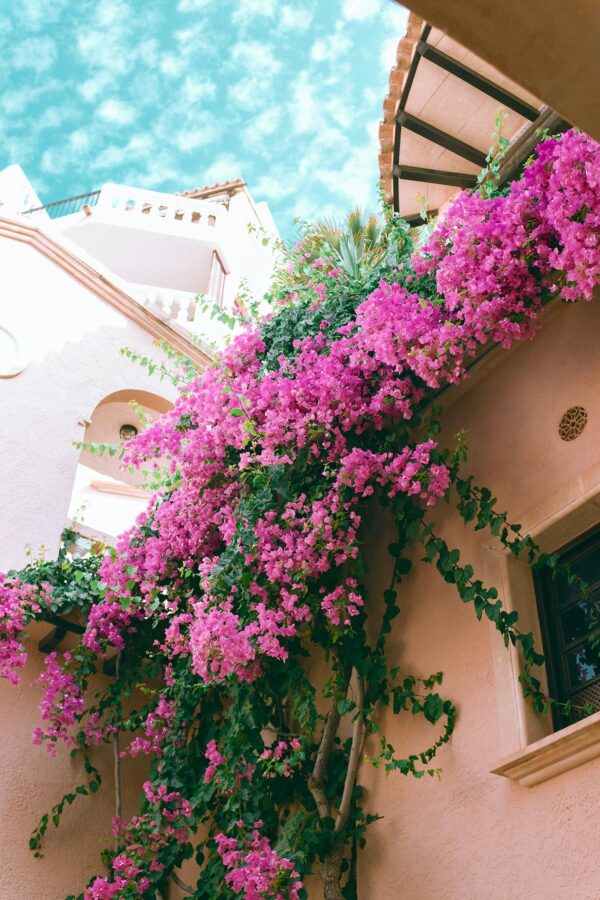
71	340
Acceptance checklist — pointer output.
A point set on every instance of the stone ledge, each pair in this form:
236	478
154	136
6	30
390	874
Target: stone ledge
554	754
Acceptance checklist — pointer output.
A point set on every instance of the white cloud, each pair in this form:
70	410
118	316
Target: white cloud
92	88
295	18
52	162
37	54
190	6
16	102
260	127
389	49
395	17
247	11
359	10
116	112
37	14
194	89
107	50
225	167
192	139
171	66
108	12
331	48
275	186
313	108
80	140
257	66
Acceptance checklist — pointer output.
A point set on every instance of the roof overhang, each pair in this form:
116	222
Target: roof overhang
439	120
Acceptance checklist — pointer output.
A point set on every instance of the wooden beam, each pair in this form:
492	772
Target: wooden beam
52	640
483	84
447	141
521	149
413	69
61	628
435	176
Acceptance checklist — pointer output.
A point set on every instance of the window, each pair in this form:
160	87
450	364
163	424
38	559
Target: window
217	280
570	626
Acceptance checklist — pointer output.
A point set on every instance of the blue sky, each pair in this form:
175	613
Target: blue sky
172	94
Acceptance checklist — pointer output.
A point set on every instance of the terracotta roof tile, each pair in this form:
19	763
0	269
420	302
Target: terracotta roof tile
404	55
232	186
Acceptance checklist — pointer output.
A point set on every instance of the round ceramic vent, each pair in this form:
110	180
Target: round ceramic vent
572	423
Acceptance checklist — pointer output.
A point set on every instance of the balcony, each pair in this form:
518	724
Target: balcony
147	237
136	202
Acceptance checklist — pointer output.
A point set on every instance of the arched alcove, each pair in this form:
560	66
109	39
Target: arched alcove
107	497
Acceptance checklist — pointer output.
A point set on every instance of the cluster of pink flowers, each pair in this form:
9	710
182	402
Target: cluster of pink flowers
485	252
96	730
61	705
108	888
142	838
343	602
157	728
282	757
218	643
409	472
493	259
255	869
18	603
227	774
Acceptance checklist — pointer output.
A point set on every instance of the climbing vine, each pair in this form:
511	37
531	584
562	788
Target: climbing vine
240	599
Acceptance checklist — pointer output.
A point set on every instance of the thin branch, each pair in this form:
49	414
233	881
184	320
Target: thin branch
271	730
117	764
354	758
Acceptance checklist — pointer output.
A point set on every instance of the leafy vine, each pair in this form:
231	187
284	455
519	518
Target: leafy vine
239	599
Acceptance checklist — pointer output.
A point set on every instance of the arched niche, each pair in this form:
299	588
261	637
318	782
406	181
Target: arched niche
107	497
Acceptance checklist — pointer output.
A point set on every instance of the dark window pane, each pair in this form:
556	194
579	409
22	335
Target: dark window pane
587	568
583	664
580	618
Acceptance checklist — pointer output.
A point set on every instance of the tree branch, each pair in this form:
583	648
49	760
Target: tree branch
315	781
354	758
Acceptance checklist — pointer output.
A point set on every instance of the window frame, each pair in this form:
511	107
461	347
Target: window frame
550	609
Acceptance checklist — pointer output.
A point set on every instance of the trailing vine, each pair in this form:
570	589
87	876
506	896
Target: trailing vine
240	600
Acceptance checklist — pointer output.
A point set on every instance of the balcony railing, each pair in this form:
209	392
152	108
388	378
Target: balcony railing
66	207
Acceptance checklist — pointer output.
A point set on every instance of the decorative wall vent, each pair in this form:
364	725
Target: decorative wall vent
572	423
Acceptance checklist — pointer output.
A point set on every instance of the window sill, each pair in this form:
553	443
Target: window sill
554	754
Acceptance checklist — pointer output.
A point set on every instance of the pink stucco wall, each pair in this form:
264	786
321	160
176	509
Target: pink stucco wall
472	835
31	782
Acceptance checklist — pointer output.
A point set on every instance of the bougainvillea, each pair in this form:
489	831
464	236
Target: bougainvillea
249	563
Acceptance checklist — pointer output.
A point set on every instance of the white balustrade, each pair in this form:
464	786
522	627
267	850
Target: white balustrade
153	204
170	305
